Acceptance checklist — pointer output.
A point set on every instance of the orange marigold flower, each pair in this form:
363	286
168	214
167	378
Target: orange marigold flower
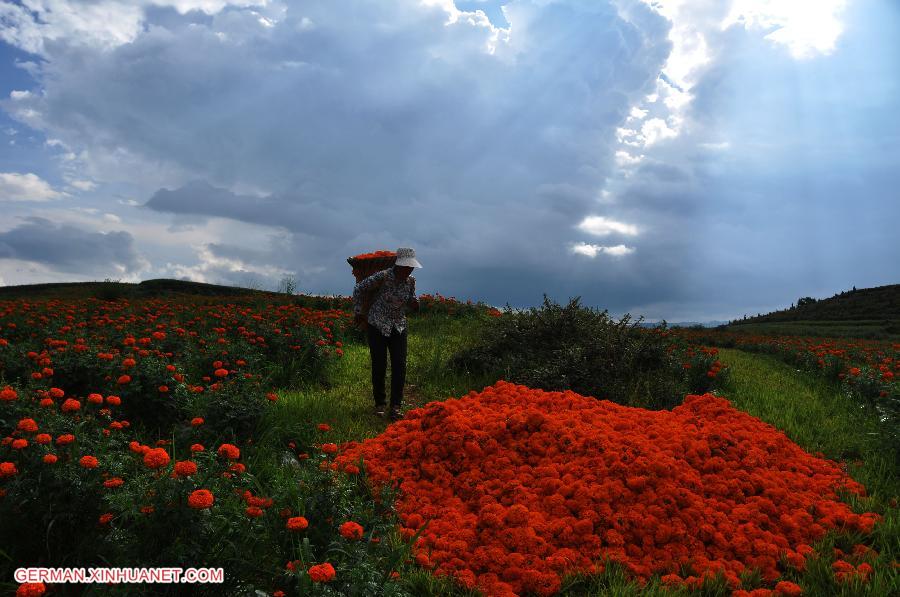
200	499
30	589
329	448
50	458
254	511
56	393
113	482
351	530
296	523
65	438
185	468
19	444
197	448
123	379
8	469
8	394
105	518
788	589
113	400
229	451
321	572
156	457
95	398
28	425
324	427
70	405
864	570
88	462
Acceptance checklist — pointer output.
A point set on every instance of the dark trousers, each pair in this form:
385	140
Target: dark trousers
378	347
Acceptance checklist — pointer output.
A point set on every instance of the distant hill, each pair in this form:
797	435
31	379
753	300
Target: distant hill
157	288
862	313
685	324
108	289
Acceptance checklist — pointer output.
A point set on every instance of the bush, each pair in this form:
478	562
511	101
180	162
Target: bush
580	349
112	290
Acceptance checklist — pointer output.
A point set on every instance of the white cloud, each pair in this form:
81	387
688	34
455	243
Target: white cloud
806	27
623	158
656	129
101	24
594	250
720	146
212	267
56	143
601	226
26	187
637	113
83	185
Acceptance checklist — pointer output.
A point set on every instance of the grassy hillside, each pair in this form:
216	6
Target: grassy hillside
862	313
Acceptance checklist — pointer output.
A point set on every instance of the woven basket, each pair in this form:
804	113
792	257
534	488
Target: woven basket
366	264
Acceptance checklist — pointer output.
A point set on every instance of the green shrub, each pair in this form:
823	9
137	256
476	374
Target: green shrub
581	349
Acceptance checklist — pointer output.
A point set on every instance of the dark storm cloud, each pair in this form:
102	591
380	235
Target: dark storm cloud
372	137
68	248
376	124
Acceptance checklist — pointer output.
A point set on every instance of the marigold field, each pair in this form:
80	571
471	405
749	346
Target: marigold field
238	433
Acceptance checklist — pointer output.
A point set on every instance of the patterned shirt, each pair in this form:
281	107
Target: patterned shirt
388	308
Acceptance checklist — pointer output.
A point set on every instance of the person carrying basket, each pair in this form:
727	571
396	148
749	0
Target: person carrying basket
380	302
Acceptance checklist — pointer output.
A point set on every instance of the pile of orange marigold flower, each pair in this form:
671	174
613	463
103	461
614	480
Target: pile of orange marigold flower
374	255
522	485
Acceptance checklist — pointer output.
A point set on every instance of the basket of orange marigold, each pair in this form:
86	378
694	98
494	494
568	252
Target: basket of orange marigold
366	264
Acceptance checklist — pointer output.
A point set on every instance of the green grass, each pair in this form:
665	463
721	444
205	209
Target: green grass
865	329
346	404
812	412
809	410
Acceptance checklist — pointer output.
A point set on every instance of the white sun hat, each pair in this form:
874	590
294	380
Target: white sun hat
407	257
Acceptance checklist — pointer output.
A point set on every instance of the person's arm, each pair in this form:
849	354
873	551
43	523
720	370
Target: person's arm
413	302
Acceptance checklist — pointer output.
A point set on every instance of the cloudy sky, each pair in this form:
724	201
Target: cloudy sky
687	160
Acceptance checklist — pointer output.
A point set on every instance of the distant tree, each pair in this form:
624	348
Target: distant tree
854	289
288	284
806	300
